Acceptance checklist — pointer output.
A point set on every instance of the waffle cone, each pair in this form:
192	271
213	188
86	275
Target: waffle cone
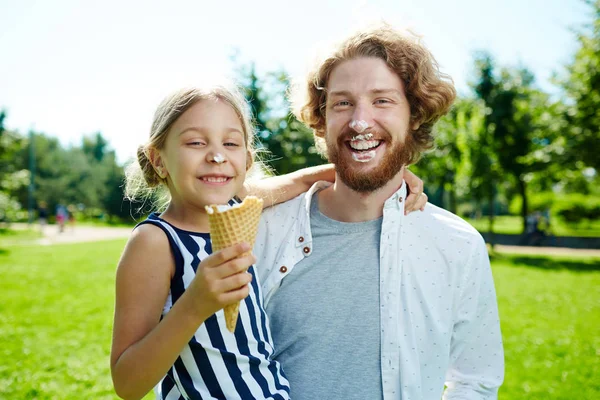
232	226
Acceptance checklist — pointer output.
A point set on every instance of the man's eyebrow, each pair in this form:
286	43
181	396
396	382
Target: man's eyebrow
334	93
338	93
386	91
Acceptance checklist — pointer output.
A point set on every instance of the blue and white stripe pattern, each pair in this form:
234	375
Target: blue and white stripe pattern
218	364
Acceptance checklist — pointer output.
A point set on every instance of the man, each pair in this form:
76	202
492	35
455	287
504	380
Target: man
364	301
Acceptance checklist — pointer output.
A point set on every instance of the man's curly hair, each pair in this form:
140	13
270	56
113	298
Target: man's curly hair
429	92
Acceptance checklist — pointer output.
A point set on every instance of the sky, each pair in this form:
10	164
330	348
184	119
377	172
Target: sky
70	68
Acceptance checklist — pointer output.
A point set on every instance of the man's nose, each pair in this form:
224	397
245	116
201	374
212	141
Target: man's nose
362	118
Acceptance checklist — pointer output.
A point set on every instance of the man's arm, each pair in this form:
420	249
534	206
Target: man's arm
476	368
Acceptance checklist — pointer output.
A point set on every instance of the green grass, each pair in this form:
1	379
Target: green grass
513	225
550	319
56	306
16	236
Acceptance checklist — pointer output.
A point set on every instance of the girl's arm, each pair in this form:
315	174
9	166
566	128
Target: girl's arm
281	188
278	189
145	347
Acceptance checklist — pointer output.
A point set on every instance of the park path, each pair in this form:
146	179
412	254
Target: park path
77	234
83	233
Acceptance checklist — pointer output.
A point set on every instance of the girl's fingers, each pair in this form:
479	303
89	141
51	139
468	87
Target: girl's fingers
222	256
234	285
232	267
235	295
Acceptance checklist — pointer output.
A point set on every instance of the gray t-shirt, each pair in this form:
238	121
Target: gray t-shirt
325	316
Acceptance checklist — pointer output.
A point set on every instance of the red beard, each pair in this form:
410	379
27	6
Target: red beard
393	160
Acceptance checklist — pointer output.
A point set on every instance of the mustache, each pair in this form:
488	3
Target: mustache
348	133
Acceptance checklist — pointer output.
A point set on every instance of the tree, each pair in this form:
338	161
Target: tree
518	125
582	88
289	144
485	167
442	168
13	176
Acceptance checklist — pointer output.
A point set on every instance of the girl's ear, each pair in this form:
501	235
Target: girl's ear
157	162
249	160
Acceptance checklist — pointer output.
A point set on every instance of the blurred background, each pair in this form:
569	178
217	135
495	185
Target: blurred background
517	157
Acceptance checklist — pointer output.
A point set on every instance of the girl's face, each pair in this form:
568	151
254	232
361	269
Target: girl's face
207	129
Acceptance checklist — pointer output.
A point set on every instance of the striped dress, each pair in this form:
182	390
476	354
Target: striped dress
218	364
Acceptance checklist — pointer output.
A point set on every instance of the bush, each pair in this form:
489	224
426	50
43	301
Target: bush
575	208
537	202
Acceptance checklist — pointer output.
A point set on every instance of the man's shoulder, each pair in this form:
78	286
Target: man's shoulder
443	225
285	209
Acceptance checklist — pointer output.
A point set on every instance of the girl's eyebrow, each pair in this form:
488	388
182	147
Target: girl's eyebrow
205	130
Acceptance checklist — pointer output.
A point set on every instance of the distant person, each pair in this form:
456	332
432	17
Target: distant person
61	217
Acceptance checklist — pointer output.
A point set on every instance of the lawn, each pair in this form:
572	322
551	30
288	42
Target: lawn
56	305
513	225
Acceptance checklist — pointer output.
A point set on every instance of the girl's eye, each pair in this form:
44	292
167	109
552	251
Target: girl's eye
232	144
342	103
195	143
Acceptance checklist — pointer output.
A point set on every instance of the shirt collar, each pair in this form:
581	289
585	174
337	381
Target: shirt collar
395	201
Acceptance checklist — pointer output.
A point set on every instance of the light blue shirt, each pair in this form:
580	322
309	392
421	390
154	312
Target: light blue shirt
438	310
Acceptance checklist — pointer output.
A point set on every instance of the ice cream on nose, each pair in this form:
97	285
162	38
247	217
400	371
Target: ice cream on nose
359	126
218	158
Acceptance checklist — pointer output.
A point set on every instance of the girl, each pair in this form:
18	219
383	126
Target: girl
169	329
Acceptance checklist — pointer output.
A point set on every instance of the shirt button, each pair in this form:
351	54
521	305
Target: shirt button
400	199
301	239
283	269
306	250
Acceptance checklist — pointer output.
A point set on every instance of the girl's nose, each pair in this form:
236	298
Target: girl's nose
216	158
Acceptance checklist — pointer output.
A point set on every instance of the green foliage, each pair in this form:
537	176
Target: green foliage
540	201
289	144
575	207
582	87
13	176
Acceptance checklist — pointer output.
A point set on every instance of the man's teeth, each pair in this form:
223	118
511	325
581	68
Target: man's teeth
214	179
364	144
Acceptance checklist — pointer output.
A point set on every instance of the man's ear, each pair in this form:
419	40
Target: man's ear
157	162
320	133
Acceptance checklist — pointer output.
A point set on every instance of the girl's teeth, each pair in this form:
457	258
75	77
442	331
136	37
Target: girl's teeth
215	180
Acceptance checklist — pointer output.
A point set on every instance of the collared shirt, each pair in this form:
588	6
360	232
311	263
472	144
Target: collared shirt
438	312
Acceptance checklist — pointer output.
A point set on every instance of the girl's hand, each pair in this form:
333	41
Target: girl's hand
221	279
416	199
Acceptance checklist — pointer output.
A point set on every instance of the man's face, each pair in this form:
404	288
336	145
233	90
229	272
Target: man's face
367	123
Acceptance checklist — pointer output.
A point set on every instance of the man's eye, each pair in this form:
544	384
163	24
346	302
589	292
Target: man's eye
382	101
342	103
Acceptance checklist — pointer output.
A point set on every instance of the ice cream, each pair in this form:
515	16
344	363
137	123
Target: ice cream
232	225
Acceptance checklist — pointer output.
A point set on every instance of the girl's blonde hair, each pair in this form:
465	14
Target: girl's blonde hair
141	180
